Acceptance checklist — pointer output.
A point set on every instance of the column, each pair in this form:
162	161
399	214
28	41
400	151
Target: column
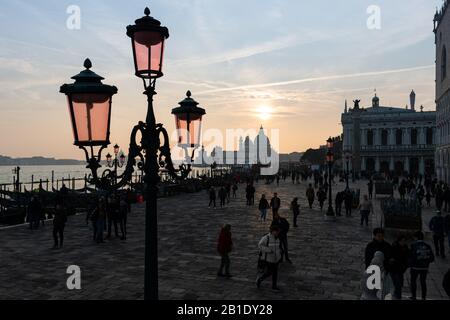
421	138
363	137
377	164
391	164
363	163
391	137
422	166
406	164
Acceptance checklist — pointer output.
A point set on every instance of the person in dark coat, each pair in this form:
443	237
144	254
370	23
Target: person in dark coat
224	247
421	257
321	197
212	197
399	264
310	194
275	204
283	225
437	226
34	212
378	244
348	202
222	196
59	222
295	207
370	188
263	207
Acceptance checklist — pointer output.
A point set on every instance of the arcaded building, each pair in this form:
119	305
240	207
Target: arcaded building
388	139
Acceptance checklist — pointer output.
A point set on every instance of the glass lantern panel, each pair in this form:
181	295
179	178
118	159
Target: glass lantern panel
149	48
91	112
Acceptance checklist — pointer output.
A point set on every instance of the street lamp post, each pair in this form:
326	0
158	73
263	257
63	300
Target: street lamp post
348	157
90	104
329	157
116	163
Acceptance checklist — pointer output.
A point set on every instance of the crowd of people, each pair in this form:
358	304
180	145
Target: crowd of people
107	212
393	260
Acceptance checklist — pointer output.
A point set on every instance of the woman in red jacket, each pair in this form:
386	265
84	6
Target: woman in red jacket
224	247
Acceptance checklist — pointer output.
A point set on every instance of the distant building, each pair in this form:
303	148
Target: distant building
393	140
442	41
250	152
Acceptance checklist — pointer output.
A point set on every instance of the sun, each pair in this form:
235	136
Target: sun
264	112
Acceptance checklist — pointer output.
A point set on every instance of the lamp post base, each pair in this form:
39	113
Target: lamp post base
330	216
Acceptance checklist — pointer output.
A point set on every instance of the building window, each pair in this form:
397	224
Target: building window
429	136
399	137
414	137
370	137
384	137
444	63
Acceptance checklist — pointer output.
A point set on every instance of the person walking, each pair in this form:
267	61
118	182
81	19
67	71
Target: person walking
421	257
310	194
370	188
212	197
270	256
321	197
275	204
224	247
377	244
263	207
59	222
123	217
34	212
222	196
348	202
437	226
283	225
99	216
235	188
399	264
365	208
113	214
295	207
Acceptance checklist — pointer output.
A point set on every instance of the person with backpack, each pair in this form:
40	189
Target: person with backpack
224	247
283	225
421	257
269	257
310	194
263	207
437	226
295	207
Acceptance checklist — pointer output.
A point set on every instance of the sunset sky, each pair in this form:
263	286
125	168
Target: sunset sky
285	64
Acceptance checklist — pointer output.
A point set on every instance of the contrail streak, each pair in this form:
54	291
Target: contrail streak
324	78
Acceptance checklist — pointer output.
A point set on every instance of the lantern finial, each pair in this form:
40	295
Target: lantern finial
147	11
87	63
188	93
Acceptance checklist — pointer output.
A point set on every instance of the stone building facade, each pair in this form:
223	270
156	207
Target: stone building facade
389	140
442	41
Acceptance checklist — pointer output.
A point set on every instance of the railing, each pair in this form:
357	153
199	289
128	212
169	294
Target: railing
403	147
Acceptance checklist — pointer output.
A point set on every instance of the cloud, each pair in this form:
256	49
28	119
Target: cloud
323	78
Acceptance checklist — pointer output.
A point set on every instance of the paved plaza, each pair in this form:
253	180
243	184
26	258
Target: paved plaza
327	256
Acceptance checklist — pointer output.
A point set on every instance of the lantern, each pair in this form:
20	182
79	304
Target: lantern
330	143
330	157
147	39
109	158
122	159
89	102
116	149
188	120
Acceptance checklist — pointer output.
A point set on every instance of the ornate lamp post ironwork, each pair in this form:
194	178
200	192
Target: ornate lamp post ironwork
90	103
